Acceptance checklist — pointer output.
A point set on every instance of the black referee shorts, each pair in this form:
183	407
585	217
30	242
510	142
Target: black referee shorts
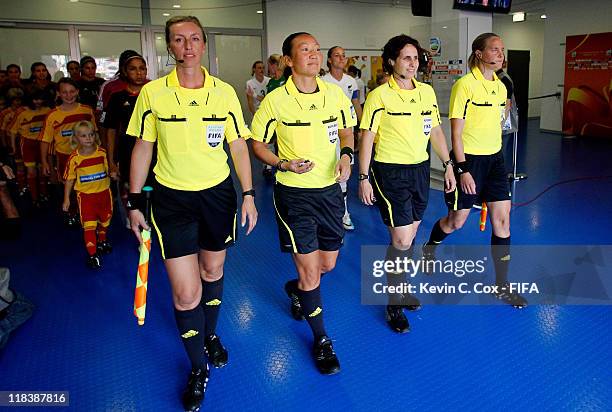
401	191
187	221
309	219
489	174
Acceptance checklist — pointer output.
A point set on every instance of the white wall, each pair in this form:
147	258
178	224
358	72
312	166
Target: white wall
566	18
350	25
212	13
526	35
100	11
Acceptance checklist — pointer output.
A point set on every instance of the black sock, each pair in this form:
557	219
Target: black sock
500	250
212	293
293	286
312	307
190	324
437	235
397	278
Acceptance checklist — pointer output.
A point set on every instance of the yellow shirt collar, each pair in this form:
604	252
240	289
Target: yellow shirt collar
293	90
478	74
173	80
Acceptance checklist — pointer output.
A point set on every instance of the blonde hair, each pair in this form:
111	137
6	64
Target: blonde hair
82	124
274	59
183	19
280	62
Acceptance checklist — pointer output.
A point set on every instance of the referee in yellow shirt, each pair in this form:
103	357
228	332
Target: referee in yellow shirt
404	114
190	113
477	106
308	116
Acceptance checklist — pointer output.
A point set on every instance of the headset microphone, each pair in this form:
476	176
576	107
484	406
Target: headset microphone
174	57
480	58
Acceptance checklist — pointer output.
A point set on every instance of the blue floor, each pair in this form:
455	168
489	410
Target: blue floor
83	337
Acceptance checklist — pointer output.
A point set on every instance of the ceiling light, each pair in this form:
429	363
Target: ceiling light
520	16
159	38
445	27
165	14
176	6
543	16
259	11
73	1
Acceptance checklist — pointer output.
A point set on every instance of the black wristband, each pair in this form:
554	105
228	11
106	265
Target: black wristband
347	151
461	168
249	193
135	201
278	165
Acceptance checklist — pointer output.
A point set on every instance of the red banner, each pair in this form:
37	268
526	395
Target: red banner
587	110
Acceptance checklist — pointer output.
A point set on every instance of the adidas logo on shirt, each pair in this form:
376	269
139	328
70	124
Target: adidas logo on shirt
412	101
313	107
193	103
493	92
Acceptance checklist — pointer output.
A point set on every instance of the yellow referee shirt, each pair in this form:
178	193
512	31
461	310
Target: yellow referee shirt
403	120
481	103
189	126
306	126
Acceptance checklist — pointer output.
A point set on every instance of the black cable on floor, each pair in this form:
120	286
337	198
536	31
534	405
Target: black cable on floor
562	182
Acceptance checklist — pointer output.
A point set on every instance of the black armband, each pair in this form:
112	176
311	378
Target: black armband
461	168
347	151
136	201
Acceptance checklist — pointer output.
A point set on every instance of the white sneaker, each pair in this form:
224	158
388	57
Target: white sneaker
347	222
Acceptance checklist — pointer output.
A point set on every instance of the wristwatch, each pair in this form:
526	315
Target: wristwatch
363	177
447	163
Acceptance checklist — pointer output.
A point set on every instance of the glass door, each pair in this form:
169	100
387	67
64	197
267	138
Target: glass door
234	56
106	46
